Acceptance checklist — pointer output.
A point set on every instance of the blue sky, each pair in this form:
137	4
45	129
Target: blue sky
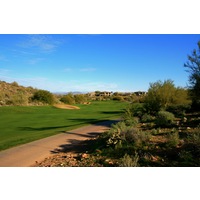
111	62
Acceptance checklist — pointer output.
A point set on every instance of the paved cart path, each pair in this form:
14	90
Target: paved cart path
28	154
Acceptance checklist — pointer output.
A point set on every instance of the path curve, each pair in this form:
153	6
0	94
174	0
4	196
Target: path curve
28	154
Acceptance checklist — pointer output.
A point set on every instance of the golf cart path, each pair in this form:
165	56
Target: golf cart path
28	154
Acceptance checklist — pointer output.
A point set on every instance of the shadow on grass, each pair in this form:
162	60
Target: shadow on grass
106	123
96	122
112	112
40	129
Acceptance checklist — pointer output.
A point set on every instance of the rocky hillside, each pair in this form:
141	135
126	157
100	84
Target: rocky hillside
14	94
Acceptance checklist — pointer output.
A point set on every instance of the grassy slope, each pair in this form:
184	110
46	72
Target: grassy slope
19	125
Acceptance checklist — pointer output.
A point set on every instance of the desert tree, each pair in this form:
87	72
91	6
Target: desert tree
163	94
43	96
193	67
159	95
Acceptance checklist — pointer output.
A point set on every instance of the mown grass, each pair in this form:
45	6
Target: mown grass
19	124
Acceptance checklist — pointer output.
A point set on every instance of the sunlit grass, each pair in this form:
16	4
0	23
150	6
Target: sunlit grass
19	124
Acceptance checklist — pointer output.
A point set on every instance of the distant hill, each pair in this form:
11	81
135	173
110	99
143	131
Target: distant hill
14	94
65	93
17	95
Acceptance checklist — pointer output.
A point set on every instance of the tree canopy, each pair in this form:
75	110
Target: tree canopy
164	94
43	96
193	67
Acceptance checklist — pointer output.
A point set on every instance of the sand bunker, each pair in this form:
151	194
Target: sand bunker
65	106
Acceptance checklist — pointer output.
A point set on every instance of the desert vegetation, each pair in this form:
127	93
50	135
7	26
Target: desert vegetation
14	94
157	128
161	130
168	136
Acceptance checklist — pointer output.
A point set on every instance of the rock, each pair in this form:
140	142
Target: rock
154	158
184	119
110	162
85	155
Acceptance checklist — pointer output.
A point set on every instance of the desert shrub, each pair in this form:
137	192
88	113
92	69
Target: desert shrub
179	110
130	135
127	114
119	126
132	114
173	139
43	96
194	137
79	98
190	151
137	138
131	121
129	118
19	99
164	119
154	131
114	135
68	99
137	110
163	94
15	84
186	158
193	140
147	118
129	161
118	98
120	134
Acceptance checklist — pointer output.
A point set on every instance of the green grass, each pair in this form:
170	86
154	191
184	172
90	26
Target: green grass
19	124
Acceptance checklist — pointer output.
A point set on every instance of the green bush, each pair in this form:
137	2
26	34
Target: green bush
120	134
15	84
132	113
154	131
131	121
79	98
179	110
129	161
114	135
137	109
160	95
147	118
68	99
193	140
130	135
137	138
118	98
119	126
43	96
173	140
164	119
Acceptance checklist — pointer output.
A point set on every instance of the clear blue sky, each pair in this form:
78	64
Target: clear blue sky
64	62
